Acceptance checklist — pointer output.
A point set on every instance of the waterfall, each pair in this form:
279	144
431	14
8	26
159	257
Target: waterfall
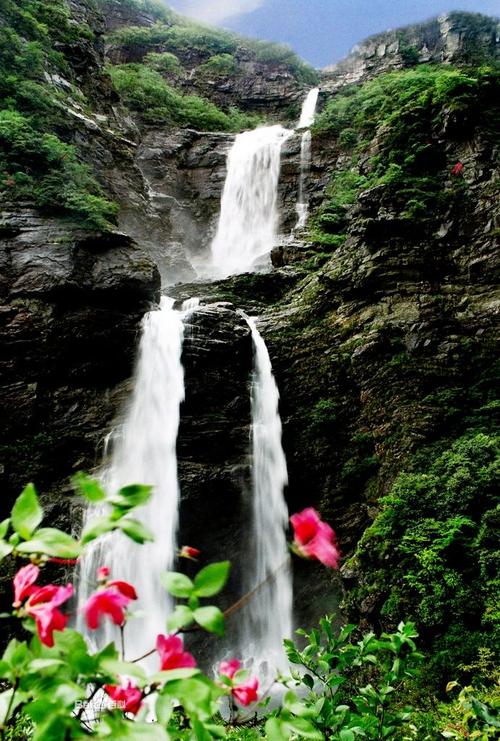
306	120
145	452
248	219
308	109
268	617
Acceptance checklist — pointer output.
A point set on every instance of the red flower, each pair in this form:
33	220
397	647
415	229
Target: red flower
128	697
42	605
23	583
188	552
229	668
314	538
246	692
172	654
110	601
457	169
103	573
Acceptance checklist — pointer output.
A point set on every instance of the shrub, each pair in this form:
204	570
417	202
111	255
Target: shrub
434	538
219	65
165	63
42	168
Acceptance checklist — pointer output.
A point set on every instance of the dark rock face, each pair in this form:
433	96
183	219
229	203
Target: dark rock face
214	453
71	306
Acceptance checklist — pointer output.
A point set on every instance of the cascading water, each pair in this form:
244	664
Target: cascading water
308	109
268	618
306	120
145	452
248	219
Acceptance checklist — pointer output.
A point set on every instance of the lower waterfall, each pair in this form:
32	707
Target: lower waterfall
267	619
144	451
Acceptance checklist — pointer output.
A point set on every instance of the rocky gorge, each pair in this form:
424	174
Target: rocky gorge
381	316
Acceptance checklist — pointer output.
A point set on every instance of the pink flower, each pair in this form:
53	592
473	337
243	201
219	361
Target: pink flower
172	654
42	606
23	583
246	693
314	538
103	573
110	601
128	697
188	552
229	668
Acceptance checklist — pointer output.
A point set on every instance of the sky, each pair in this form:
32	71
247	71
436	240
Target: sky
322	31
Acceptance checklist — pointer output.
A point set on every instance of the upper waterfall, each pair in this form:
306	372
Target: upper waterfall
306	121
308	109
248	219
145	452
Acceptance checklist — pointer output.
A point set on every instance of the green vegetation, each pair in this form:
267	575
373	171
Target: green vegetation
36	163
189	40
404	113
222	65
144	90
433	550
156	8
165	63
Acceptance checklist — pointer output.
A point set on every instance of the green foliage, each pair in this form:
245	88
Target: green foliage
156	8
144	90
188	39
165	63
352	688
403	112
220	65
436	538
207	583
37	165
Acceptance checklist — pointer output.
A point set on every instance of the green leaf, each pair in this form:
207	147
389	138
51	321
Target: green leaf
172	675
51	542
4	528
88	487
210	618
136	531
96	528
275	730
180	618
130	496
5	549
26	512
5	702
211	579
308	681
115	667
38	665
176	584
163	709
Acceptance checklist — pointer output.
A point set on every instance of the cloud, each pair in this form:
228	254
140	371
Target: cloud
216	11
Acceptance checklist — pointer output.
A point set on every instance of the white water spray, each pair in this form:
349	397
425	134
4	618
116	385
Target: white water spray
306	121
268	618
145	452
248	220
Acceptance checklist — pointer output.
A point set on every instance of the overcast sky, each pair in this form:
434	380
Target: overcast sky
322	31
